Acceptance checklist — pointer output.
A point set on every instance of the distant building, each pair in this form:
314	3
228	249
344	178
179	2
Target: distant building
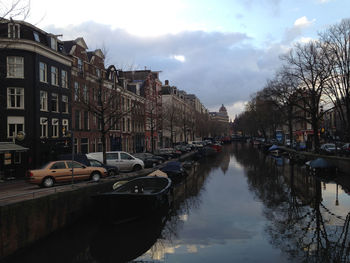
221	116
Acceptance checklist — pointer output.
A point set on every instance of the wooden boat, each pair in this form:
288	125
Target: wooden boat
135	198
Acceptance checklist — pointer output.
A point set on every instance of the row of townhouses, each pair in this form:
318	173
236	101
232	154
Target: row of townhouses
57	94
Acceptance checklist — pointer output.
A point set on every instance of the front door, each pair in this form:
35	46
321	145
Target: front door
127	161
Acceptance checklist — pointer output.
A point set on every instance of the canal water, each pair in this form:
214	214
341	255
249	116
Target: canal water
241	205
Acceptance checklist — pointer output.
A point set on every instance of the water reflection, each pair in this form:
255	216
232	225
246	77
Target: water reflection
303	219
240	206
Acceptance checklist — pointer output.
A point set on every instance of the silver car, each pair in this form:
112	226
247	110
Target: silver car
123	160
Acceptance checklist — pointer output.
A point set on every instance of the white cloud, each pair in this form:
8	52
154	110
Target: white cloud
180	58
294	32
303	22
306	39
219	68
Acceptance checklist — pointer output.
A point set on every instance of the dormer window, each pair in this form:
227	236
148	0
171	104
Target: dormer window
13	30
54	43
36	36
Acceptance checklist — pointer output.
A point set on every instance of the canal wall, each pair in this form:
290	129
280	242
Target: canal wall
342	163
25	222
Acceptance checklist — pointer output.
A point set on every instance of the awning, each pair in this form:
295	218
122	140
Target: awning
11	147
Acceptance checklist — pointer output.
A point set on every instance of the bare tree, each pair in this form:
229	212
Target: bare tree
307	64
336	43
15	9
170	119
105	105
281	91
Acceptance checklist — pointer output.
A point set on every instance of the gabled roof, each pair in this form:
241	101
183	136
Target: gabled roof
81	42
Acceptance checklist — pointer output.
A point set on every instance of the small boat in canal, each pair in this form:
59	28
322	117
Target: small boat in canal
135	198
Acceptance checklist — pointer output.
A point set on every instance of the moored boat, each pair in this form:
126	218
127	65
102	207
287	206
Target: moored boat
135	198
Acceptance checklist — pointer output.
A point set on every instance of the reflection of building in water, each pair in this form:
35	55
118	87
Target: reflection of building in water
225	162
186	197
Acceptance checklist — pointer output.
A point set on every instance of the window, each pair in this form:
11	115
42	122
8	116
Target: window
98	72
58	165
111	156
15	98
77	120
84	145
76	91
64	79
86	120
13	30
74	165
43	127
54	102
86	94
53	43
80	65
54	126
43	72
123	125
54	76
65	126
43	100
65	105
99	146
125	156
15	67
15	124
128	125
36	36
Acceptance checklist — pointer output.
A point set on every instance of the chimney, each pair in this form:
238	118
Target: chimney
166	83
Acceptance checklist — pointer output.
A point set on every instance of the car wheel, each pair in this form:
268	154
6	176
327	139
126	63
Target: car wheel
95	176
112	172
48	182
137	167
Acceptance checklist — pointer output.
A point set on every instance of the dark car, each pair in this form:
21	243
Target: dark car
111	170
149	159
345	149
328	148
174	170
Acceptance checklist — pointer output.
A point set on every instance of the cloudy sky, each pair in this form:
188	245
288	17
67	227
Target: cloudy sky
223	51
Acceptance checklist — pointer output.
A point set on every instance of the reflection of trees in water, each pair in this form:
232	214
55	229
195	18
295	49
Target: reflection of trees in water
300	225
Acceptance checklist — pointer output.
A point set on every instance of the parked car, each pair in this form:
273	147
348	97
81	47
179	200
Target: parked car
149	159
123	160
167	153
61	171
345	149
111	170
82	158
328	148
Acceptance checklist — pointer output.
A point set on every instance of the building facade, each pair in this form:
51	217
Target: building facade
35	74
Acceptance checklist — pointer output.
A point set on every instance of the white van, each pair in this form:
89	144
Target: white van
123	160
